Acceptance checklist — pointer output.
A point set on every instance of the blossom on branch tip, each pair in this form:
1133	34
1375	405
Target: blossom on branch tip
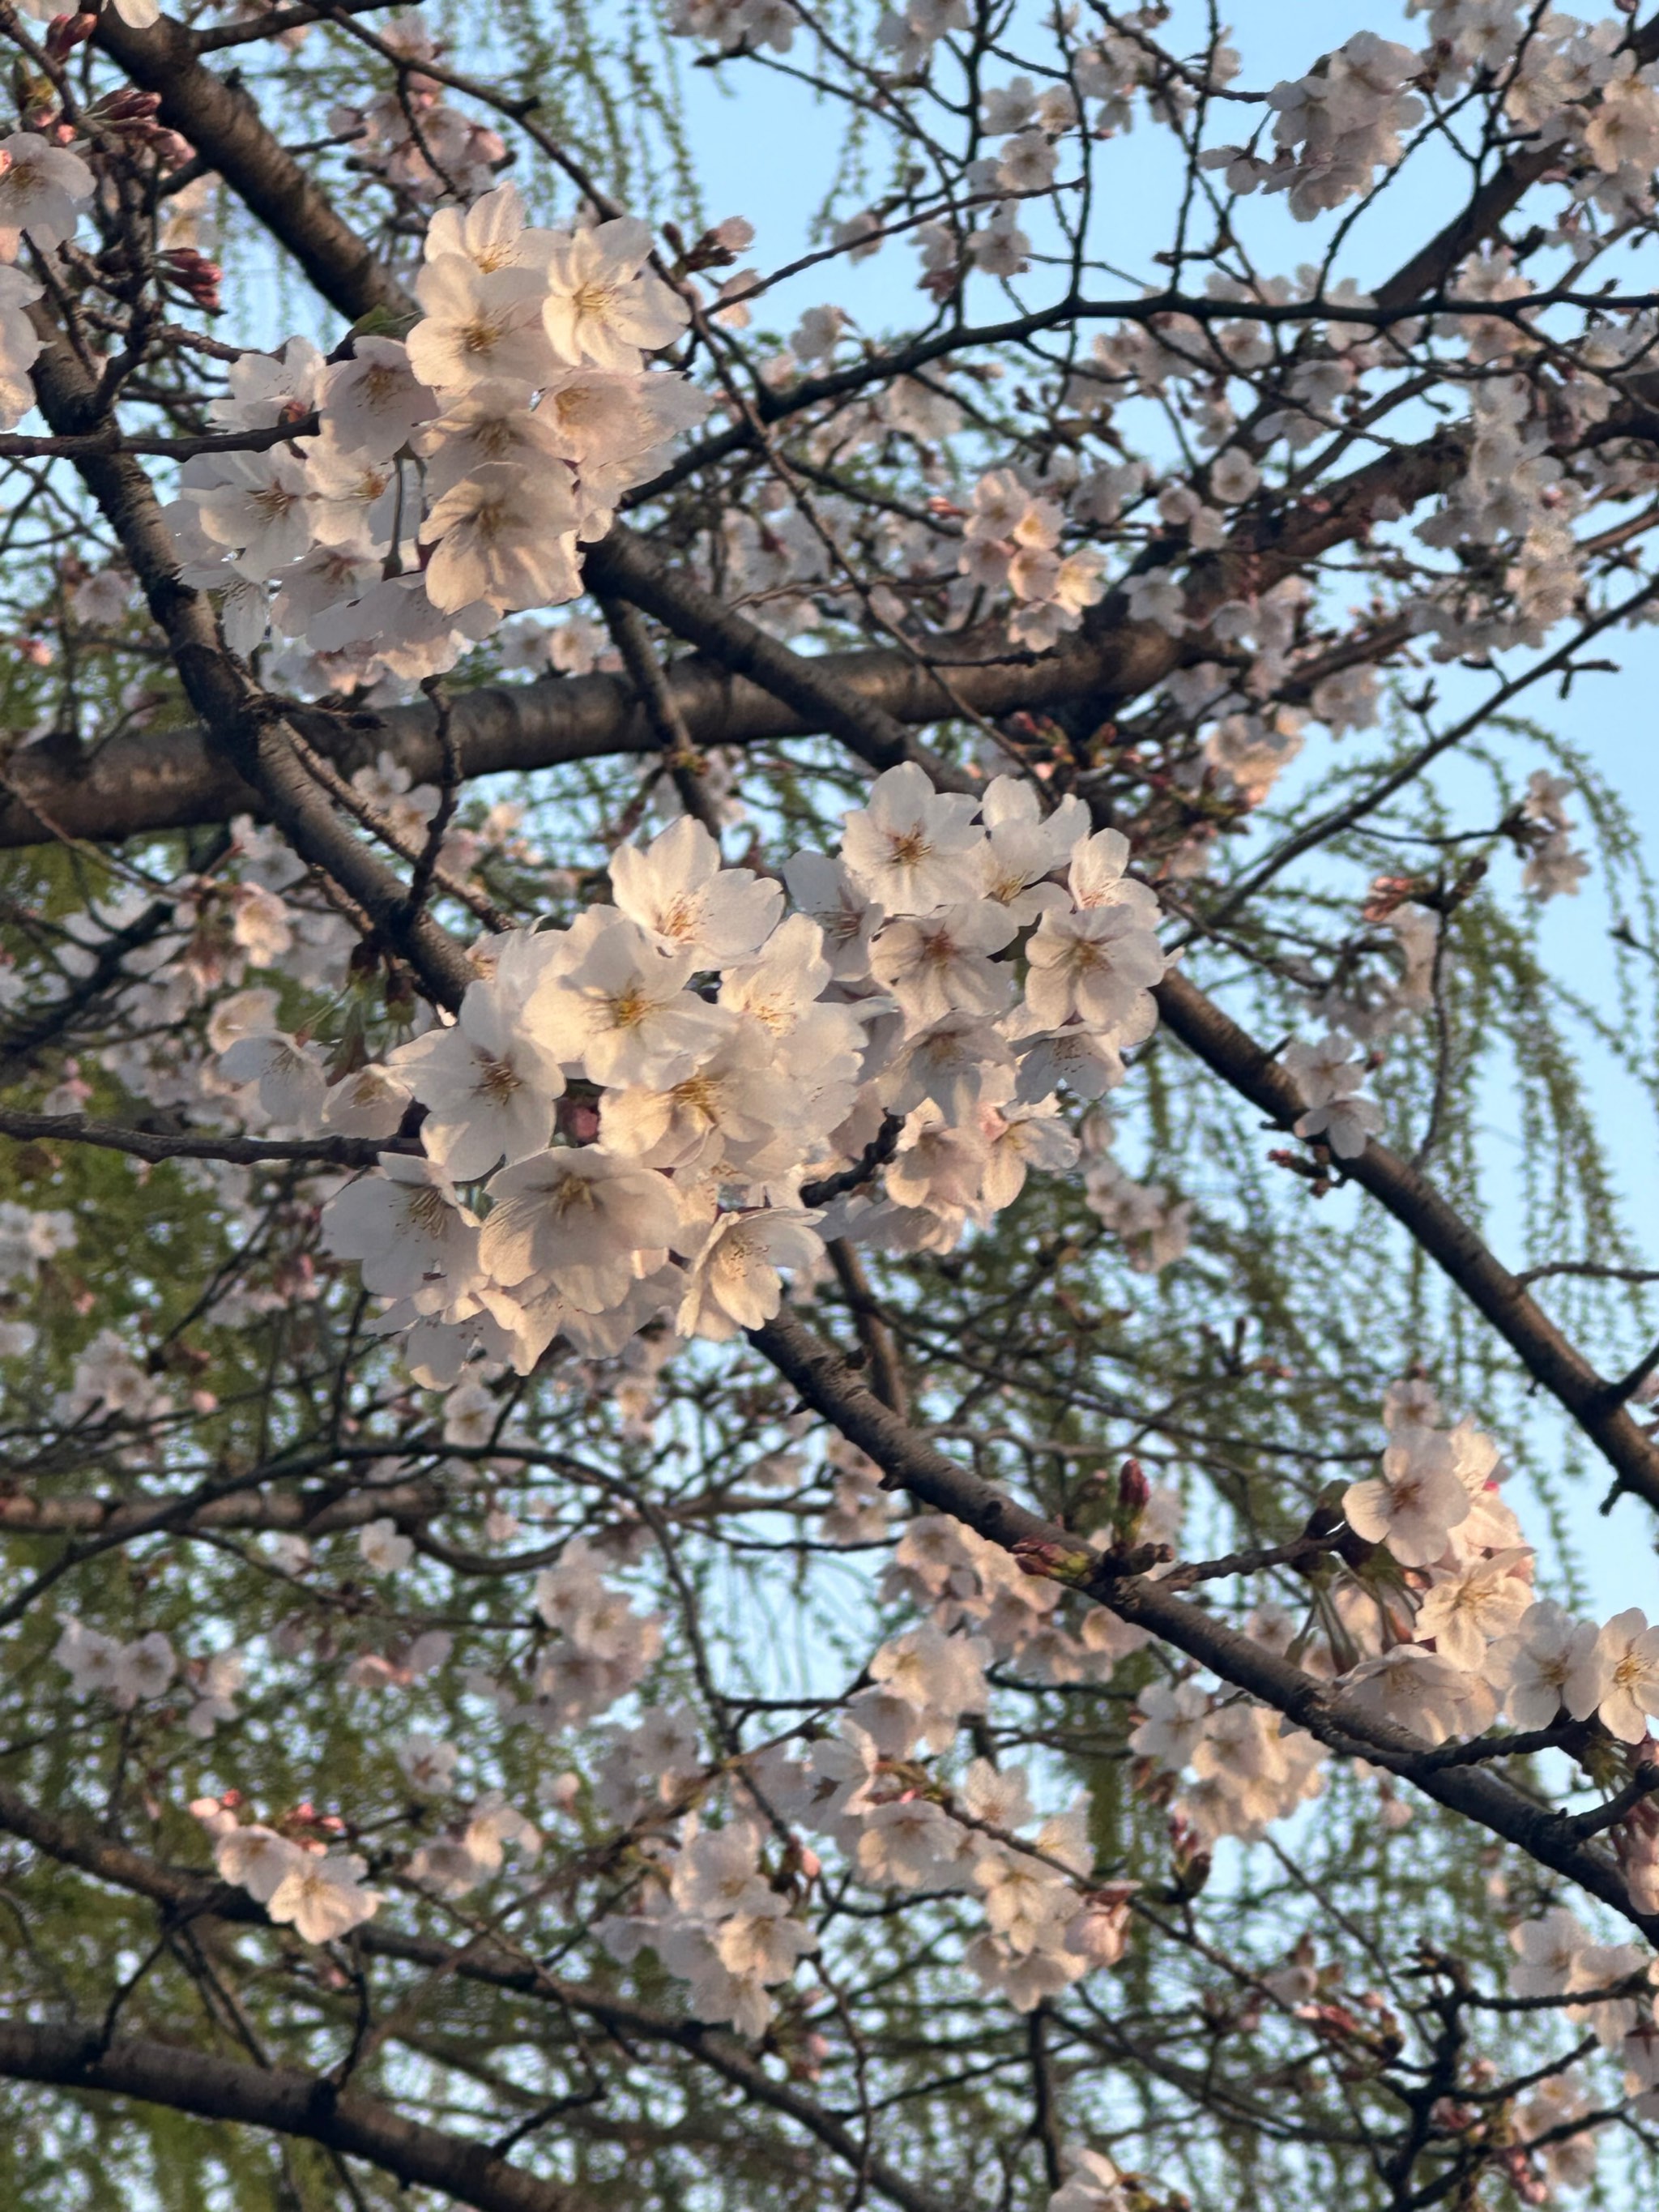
43	188
604	306
732	1281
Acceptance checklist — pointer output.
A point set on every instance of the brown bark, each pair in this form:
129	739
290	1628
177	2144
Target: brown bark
285	2102
224	125
913	1464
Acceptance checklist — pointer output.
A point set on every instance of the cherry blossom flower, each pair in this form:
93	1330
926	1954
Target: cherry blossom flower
1629	1650
907	848
322	1897
354	500
940	964
429	1763
143	1668
505	537
715	1993
490	421
384	1551
737	1108
826	890
370	1102
618	429
373	401
718	1872
604	306
1469	1607
1018	1143
286	1077
1416	1689
406	1227
488	1084
1549	1662
1086	1062
92	1659
20	349
1414	1504
580	1215
43	188
477	324
127	1674
941	1676
907	1842
256	1859
936	1165
732	1281
1094	965
679	894
1328	1076
781	987
491	233
217	1683
961	1064
263	389
764	1946
1025	1901
622	1012
256	504
1173	1717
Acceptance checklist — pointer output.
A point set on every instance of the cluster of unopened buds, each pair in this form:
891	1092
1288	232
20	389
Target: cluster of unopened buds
194	275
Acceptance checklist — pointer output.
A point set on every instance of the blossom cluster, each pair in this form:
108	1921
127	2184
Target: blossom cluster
1474	1640
644	1094
455	474
718	1918
302	1883
1451	1637
1571	83
1556	1957
410	135
717	1902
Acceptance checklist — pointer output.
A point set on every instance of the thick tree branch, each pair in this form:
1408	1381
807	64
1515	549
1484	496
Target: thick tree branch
287	2103
297	1511
223	124
155	779
913	1464
750	689
624	566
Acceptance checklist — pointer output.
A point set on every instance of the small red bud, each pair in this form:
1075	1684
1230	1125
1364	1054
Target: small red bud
1133	1491
65	33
